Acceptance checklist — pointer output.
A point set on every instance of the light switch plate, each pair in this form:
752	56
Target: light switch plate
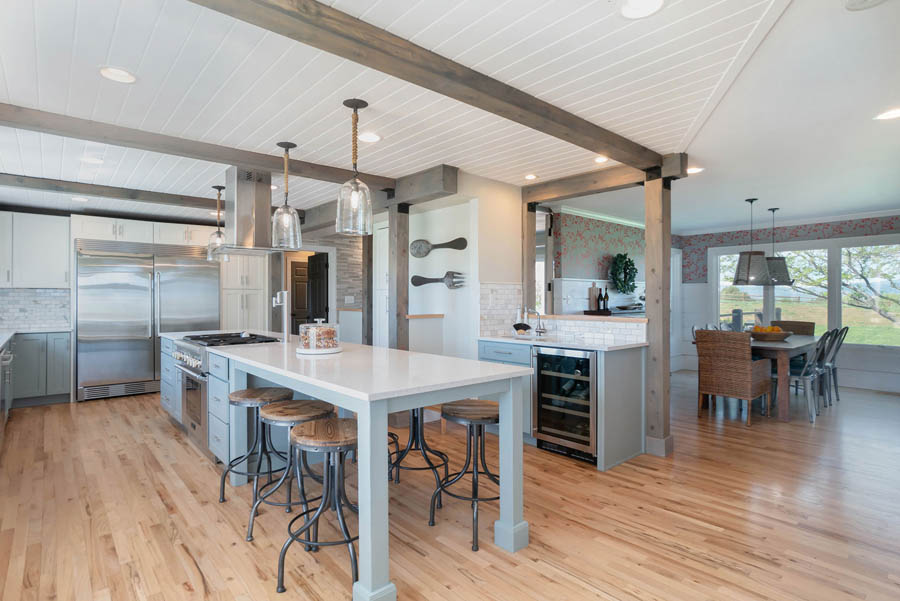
349	300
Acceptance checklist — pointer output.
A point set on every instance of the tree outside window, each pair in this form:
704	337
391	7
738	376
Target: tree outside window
807	299
870	294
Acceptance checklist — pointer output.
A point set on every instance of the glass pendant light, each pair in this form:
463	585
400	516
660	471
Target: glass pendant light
354	202
778	269
285	220
751	268
217	238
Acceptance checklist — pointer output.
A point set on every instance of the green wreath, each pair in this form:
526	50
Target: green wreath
622	273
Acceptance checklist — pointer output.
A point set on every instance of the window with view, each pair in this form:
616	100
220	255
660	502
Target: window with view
746	300
807	299
870	294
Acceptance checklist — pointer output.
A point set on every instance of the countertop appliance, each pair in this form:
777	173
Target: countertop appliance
192	360
126	295
564	408
6	388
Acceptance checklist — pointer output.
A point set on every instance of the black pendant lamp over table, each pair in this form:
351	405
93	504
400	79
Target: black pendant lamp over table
751	268
354	202
778	269
285	220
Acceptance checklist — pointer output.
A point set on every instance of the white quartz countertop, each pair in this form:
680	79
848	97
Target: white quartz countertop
553	341
370	373
6	335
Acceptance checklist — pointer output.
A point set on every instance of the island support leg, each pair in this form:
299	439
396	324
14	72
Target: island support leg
374	582
511	530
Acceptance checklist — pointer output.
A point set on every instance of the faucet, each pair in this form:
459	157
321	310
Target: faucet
540	330
282	299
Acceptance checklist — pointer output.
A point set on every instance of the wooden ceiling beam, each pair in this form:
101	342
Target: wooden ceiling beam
335	32
79	188
83	129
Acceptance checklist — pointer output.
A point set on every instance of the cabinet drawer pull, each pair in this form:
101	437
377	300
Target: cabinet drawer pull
502	353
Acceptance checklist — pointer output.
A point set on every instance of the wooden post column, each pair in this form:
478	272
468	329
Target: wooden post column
398	276
658	240
368	289
529	250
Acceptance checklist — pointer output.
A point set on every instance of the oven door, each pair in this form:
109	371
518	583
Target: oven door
193	405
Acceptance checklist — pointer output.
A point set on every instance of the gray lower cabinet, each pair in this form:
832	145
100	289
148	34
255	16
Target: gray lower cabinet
169	385
41	365
218	413
511	354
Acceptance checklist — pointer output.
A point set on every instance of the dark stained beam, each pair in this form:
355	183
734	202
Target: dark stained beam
338	33
429	184
66	187
106	133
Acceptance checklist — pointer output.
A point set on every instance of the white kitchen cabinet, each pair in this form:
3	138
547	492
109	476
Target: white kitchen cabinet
170	233
244	272
242	310
5	249
232	309
253	310
198	235
131	230
40	251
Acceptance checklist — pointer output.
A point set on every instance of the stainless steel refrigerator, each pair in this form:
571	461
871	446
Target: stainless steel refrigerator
127	294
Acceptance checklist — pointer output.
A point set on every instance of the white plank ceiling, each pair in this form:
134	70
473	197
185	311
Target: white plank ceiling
205	76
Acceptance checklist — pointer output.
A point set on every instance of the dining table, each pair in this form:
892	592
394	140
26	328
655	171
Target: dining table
782	352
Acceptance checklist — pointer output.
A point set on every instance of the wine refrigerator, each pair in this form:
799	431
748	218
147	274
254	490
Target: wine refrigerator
564	408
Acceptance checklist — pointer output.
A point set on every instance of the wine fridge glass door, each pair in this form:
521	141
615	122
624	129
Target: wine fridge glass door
565	398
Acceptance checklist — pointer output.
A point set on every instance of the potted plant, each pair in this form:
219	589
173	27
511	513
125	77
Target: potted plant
622	273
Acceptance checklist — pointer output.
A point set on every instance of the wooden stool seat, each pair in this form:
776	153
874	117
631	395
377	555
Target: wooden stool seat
331	433
257	397
471	411
295	412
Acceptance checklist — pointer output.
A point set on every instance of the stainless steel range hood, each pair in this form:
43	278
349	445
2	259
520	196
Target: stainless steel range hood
248	213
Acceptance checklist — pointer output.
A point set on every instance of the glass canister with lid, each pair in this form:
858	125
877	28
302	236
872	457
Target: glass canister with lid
319	338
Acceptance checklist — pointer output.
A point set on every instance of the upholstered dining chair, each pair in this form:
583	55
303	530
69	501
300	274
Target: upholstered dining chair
801	328
727	368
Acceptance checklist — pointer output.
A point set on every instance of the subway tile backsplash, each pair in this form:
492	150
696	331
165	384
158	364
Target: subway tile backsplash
31	308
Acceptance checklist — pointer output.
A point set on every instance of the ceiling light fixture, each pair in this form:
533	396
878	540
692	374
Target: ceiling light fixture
601	159
530	176
639	9
354	201
778	269
80	199
694	170
890	114
117	74
274	187
369	136
751	268
92	160
217	238
285	220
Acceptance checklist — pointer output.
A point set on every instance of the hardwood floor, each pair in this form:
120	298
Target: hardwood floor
108	500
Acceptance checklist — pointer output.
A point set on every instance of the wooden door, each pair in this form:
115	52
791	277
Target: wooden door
299	299
317	286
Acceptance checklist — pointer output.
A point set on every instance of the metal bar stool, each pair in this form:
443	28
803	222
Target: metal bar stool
475	414
253	399
287	413
335	437
417	442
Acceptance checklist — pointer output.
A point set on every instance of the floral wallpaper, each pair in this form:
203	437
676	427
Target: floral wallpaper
695	246
585	247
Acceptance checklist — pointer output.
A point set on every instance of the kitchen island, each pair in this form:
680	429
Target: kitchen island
376	381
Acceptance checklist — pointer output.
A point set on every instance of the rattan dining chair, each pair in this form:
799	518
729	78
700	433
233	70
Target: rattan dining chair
727	368
810	375
801	328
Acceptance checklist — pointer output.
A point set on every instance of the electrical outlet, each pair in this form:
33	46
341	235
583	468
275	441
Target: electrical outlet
349	300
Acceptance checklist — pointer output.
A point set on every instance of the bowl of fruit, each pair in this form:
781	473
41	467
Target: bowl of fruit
769	334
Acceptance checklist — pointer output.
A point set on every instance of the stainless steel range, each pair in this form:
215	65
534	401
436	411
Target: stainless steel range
192	360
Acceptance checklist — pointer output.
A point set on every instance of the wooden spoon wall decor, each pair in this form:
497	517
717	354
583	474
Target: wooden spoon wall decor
421	248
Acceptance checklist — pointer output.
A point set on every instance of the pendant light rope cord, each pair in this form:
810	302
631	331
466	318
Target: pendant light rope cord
218	208
355	142
286	160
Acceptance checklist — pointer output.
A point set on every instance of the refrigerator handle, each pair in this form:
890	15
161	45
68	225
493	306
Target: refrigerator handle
150	310
156	302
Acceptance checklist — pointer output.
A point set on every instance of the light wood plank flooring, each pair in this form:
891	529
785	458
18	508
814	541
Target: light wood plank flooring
108	500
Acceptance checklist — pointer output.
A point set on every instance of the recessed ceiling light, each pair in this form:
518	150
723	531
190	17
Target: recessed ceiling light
369	136
92	160
694	170
530	176
639	9
274	187
601	159
80	199
891	114
116	74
